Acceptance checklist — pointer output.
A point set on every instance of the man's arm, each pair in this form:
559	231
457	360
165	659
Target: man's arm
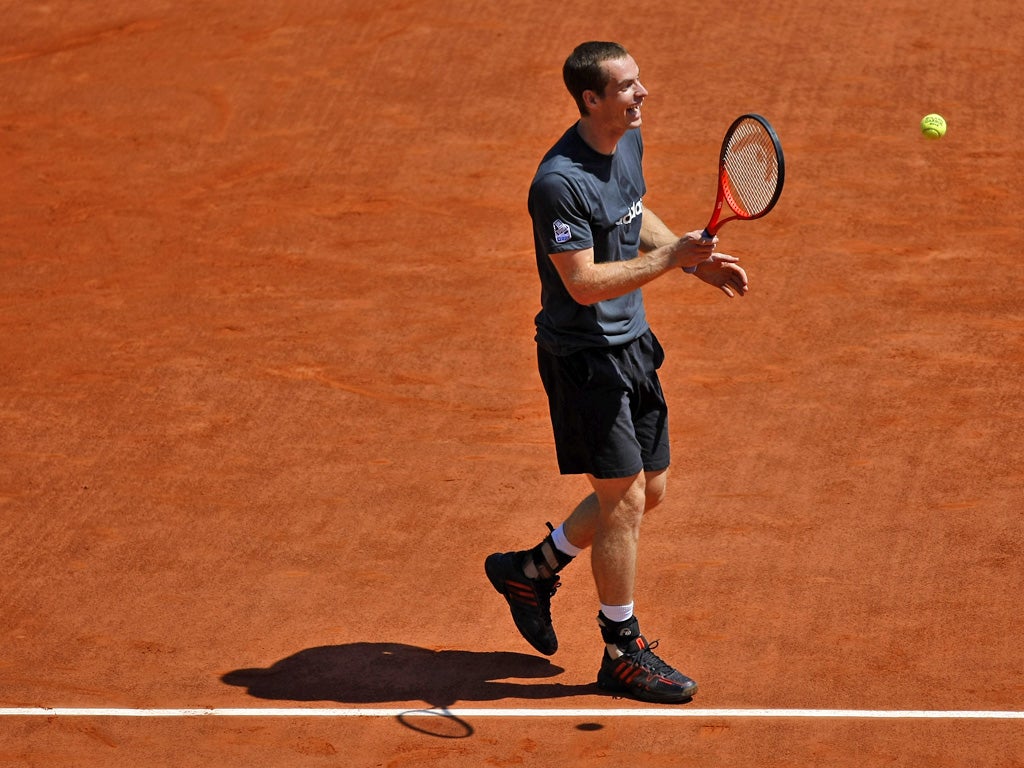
723	273
654	233
660	252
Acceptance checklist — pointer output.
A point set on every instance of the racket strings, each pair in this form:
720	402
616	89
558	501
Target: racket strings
751	169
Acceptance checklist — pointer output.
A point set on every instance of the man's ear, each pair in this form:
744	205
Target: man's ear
590	98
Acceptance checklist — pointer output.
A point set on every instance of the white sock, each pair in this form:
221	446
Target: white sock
617	613
563	544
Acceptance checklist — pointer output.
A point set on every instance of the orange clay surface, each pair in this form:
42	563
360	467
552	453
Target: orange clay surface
268	394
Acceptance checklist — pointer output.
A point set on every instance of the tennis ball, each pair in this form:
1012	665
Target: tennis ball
933	126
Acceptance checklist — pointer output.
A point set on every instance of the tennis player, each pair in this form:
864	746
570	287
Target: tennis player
596	246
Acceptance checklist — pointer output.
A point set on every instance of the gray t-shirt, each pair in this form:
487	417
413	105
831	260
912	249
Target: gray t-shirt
582	199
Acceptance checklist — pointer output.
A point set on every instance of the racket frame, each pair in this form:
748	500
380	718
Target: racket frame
723	196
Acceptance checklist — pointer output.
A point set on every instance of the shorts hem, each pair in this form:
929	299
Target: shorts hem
605	474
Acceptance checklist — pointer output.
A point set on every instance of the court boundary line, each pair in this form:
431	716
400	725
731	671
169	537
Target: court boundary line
462	713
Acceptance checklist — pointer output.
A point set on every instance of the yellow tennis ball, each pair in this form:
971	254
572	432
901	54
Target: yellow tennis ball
933	126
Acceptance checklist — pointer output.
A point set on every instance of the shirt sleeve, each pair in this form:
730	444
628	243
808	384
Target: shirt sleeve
560	219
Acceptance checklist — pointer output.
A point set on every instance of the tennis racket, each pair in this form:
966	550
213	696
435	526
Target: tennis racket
751	170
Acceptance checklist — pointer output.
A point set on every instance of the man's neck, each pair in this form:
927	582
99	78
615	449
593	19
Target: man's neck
600	141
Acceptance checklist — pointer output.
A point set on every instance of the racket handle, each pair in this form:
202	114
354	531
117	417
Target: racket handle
707	236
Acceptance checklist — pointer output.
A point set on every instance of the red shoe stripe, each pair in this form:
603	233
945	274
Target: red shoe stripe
626	672
524	593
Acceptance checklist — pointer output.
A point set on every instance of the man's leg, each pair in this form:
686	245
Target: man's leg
609	520
528	578
629	664
616	534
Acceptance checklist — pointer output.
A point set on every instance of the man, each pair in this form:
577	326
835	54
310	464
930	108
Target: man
596	246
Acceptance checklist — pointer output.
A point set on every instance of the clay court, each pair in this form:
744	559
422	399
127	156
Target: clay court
268	393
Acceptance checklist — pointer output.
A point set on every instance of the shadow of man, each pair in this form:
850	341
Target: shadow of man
372	673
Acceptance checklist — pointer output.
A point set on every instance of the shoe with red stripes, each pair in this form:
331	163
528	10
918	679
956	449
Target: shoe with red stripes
640	673
529	600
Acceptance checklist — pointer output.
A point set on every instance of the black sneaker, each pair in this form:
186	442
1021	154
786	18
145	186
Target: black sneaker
528	599
641	674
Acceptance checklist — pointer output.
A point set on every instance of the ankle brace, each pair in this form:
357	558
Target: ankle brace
548	559
618	632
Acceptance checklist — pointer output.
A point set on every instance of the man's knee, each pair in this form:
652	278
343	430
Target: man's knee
655	487
622	499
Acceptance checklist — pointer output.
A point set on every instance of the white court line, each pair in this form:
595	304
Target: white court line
926	714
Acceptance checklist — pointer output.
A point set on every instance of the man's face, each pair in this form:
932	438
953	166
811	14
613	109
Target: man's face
623	97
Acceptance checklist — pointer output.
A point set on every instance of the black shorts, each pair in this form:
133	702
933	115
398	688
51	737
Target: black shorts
608	411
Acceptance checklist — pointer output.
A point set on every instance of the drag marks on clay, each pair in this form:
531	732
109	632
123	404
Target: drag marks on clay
319	376
960	506
96	734
223	112
713	730
226	179
83	40
456	404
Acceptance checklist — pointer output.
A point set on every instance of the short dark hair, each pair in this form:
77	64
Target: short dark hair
583	70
